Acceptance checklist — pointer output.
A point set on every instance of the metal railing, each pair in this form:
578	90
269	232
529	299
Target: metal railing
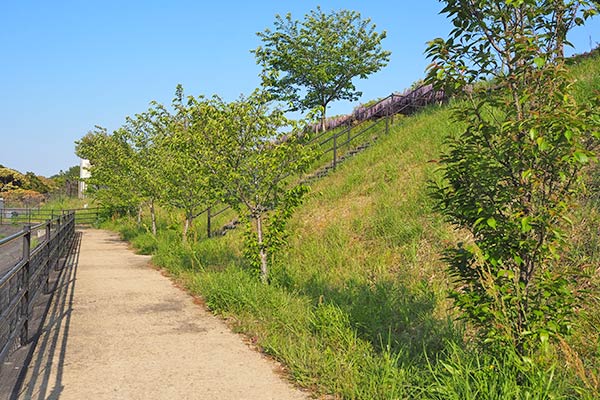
362	120
39	249
382	111
18	216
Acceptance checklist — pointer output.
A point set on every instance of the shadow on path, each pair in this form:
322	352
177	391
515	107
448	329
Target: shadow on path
35	365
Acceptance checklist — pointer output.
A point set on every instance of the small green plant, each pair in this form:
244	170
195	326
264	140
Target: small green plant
275	230
464	375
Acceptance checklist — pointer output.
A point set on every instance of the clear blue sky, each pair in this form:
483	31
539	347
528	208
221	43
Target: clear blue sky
66	66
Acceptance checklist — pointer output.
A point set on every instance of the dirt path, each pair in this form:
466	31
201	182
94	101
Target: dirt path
121	330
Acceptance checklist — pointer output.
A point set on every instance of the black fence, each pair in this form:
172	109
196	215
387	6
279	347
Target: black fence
27	258
20	216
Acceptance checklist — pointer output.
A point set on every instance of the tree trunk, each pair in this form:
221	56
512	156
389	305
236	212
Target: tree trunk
153	215
560	32
323	118
262	252
139	216
186	227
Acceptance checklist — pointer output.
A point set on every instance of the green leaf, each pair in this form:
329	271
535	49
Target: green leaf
525	226
532	133
539	61
518	260
581	157
491	223
478	221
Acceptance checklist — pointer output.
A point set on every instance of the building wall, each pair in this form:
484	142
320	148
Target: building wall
84	172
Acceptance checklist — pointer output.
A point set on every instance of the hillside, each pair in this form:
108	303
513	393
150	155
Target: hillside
31	190
357	305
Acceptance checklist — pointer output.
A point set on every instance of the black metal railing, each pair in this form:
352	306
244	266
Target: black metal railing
19	216
27	258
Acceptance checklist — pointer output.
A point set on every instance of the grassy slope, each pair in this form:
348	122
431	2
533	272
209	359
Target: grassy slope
585	236
366	239
359	291
357	305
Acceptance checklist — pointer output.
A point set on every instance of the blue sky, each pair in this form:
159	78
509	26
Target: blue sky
66	66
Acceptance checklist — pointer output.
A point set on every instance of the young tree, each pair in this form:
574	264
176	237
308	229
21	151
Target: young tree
185	180
143	132
312	63
510	177
250	159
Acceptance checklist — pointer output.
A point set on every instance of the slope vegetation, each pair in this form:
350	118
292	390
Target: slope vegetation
357	305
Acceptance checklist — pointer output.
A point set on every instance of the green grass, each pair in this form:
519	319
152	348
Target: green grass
357	304
587	74
67	203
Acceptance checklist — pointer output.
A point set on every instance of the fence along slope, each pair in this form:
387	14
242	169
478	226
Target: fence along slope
408	103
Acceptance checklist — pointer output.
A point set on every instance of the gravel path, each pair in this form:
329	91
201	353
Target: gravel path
123	331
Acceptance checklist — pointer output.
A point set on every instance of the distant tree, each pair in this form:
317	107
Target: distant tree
33	182
72	173
10	179
249	158
511	176
312	63
111	164
66	181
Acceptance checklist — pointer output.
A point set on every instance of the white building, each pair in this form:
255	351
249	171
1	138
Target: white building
84	172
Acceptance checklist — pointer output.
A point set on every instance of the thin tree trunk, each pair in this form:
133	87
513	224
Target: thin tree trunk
139	216
264	272
560	31
186	227
153	215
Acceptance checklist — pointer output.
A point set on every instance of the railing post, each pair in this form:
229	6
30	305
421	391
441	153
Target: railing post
48	252
349	129
27	271
334	150
208	230
391	110
387	121
58	240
